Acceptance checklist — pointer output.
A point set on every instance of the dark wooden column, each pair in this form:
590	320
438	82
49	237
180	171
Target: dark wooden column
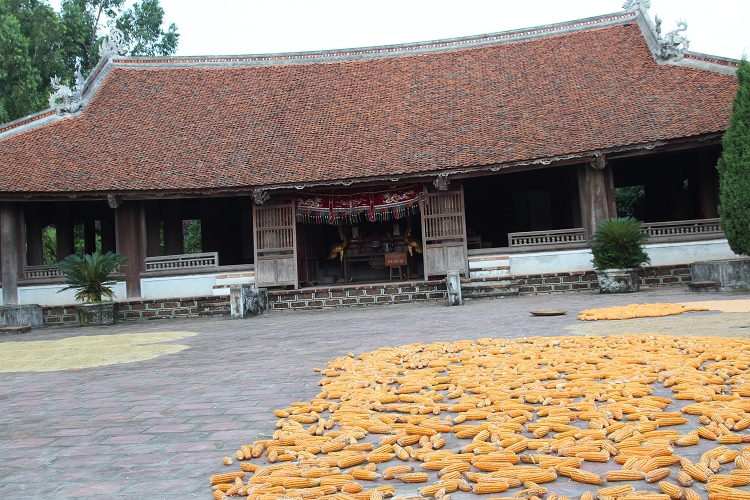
10	243
109	238
131	243
34	245
209	208
173	238
153	228
89	234
597	192
63	230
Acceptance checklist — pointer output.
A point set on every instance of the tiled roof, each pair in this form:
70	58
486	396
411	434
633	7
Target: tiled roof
193	127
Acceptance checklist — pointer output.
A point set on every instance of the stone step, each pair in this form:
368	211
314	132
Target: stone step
493	293
703	286
15	330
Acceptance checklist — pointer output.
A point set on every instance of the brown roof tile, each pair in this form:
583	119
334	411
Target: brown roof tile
171	127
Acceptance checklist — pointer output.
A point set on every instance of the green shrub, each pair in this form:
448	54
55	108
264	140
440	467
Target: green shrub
618	244
90	275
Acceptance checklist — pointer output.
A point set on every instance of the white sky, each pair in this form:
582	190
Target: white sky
234	27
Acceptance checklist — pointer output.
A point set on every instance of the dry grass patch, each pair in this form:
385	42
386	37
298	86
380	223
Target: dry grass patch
86	351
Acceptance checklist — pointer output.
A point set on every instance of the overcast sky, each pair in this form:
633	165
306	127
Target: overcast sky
233	27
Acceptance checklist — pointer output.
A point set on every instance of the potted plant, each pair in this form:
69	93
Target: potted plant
91	277
617	247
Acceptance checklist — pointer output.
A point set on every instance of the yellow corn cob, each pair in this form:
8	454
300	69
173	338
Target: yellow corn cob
219	495
379	458
587	495
351	460
594	456
537	476
729	439
486	487
720	492
687	440
624	475
226	478
412	477
684	478
696	472
584	476
691	494
657	474
332	446
674	491
363	474
432	489
459	467
614	491
299	482
351	487
390	472
730	480
336	480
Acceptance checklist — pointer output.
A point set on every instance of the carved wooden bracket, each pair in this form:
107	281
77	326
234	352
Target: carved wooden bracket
114	200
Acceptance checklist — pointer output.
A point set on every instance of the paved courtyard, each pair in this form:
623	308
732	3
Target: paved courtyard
159	428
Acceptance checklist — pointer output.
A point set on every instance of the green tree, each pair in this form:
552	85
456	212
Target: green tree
37	43
734	168
142	28
19	81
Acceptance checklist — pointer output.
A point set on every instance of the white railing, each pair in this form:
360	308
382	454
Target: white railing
182	261
41	272
684	229
564	237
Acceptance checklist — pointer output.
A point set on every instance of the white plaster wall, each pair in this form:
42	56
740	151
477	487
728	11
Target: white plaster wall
46	295
686	253
178	286
551	262
662	254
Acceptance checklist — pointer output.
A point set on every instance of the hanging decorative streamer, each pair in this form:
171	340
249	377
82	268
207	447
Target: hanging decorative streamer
351	209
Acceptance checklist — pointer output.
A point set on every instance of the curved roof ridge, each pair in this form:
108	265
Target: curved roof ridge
389	50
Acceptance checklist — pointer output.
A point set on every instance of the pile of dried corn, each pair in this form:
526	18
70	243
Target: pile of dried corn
540	417
636	311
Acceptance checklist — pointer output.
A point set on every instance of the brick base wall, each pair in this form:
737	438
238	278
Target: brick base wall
146	309
586	280
380	293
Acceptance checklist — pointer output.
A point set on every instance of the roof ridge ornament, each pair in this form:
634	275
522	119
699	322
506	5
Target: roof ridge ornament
65	99
442	182
113	44
673	45
634	5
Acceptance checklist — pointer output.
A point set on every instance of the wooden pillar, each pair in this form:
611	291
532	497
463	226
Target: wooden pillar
34	245
708	185
89	234
10	243
131	243
153	228
597	192
109	238
209	207
173	238
63	230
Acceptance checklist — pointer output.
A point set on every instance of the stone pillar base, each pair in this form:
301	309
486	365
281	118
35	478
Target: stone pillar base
26	315
247	301
453	283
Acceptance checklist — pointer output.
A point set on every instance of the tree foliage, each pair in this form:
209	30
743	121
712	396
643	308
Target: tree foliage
734	168
37	43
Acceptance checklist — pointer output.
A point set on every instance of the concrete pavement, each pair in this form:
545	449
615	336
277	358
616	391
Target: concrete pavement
158	428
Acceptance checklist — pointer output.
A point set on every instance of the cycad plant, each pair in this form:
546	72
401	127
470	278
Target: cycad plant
90	275
617	243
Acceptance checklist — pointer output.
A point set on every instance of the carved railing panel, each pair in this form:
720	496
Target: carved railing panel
684	229
562	237
182	261
42	272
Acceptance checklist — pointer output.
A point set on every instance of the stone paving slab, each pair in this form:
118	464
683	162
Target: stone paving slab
158	428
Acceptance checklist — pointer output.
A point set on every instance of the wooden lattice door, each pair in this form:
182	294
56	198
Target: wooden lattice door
444	233
275	236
